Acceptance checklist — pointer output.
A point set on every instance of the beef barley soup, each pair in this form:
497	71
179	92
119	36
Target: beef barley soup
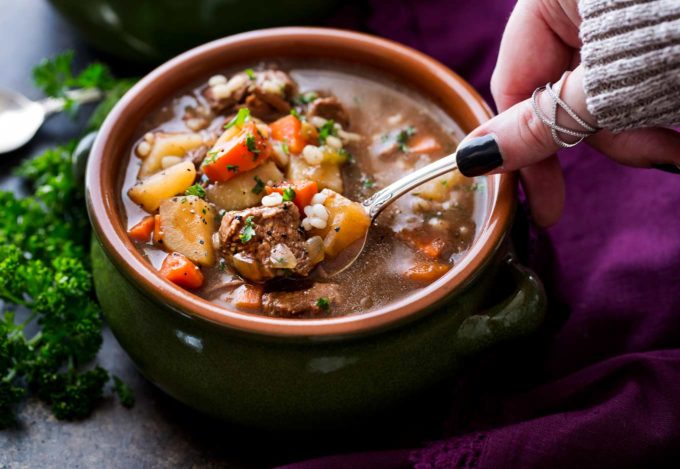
239	188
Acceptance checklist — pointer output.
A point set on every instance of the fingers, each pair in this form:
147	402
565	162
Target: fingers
523	139
544	186
642	148
538	44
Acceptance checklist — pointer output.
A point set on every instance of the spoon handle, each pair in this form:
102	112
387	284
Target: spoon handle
87	95
384	197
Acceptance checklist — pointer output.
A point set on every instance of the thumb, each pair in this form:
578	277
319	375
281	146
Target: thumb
517	137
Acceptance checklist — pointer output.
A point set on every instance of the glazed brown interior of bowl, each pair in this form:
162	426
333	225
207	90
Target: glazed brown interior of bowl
445	88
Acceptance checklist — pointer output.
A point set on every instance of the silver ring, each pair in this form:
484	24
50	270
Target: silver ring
555	129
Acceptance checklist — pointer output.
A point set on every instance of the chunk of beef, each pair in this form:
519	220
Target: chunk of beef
267	96
225	96
302	302
329	108
255	242
197	155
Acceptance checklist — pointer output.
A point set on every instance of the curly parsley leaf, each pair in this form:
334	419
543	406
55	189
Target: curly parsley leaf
45	268
55	77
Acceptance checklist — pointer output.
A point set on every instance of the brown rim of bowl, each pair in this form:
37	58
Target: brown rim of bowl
433	79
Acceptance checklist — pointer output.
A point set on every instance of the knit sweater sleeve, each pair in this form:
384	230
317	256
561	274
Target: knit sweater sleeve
631	56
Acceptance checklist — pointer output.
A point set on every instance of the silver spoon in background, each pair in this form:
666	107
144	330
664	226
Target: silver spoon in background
473	157
20	118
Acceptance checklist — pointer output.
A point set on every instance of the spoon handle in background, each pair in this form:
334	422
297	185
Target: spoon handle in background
87	95
381	199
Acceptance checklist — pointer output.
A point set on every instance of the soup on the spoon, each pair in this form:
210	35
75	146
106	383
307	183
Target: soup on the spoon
239	188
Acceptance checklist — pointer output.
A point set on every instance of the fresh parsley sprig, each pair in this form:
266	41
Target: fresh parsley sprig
55	77
45	268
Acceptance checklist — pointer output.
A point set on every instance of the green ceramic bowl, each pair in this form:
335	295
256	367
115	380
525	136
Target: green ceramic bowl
153	30
275	373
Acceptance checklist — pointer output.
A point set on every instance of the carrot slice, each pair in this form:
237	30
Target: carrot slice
248	297
244	152
142	230
181	271
433	248
427	271
289	129
423	144
425	242
157	232
304	191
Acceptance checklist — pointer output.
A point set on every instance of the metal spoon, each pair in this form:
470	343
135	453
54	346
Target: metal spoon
375	204
20	118
473	157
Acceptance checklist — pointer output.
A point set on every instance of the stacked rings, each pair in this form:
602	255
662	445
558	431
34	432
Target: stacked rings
555	129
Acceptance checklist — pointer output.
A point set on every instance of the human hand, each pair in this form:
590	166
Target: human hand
541	42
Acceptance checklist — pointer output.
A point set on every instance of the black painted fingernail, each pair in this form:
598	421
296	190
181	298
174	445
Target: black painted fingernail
669	168
478	156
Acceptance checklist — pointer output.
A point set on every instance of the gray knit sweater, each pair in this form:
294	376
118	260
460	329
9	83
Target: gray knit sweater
631	56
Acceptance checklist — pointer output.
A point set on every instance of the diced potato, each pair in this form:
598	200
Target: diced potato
347	222
327	176
188	223
439	188
237	193
280	157
151	191
168	144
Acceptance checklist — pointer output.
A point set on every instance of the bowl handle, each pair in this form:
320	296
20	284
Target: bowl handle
518	315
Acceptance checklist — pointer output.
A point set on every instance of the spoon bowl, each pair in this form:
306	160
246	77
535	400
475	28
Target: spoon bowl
20	118
375	204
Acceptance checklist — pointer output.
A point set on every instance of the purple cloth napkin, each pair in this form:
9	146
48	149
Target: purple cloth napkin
604	389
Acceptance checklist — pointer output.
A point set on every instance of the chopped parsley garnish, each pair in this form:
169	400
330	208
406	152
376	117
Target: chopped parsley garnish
210	159
233	168
307	98
403	137
326	130
250	72
323	303
294	112
259	185
239	119
251	144
284	147
48	346
346	155
196	190
367	183
248	231
288	194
